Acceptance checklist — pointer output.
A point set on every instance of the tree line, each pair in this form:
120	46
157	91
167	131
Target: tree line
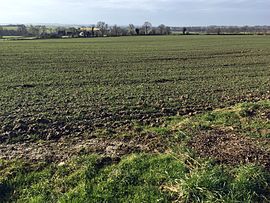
219	30
100	29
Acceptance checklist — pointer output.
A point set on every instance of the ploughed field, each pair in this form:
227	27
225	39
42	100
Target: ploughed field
77	87
135	119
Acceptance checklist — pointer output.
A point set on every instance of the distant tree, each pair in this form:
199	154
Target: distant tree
51	30
235	30
210	30
42	30
184	30
162	29
59	29
1	31
168	30
124	31
154	31
22	30
93	31
73	29
147	27
245	29
115	30
103	27
137	30
33	30
72	32
218	31
131	29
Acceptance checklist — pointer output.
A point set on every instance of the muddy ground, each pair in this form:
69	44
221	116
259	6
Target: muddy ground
229	148
24	126
64	149
224	147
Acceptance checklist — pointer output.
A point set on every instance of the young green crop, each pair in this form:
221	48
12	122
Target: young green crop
70	87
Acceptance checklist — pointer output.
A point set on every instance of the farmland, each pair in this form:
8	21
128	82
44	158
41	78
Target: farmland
76	86
10	27
95	108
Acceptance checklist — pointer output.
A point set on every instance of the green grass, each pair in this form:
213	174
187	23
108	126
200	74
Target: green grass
96	83
136	178
245	118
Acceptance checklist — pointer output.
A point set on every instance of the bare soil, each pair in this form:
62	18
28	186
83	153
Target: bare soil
229	148
64	149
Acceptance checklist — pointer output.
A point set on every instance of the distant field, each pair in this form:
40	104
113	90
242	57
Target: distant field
10	27
12	37
54	88
17	38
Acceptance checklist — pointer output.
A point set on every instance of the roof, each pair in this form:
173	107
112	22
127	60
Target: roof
89	29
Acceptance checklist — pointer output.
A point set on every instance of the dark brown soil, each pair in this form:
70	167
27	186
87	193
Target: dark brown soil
231	149
23	125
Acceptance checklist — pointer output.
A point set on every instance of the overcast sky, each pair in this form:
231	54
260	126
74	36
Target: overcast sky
123	12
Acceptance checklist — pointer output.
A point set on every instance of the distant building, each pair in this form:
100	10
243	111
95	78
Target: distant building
88	31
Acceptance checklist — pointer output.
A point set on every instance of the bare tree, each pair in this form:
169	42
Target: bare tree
131	29
168	30
218	31
103	27
162	29
147	26
124	31
22	30
154	31
115	31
